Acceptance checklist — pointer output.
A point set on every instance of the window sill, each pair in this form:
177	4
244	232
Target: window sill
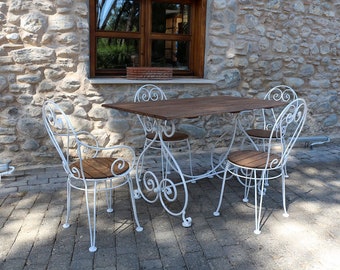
172	81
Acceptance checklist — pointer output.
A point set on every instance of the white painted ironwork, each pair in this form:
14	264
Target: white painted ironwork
177	141
284	134
7	170
76	148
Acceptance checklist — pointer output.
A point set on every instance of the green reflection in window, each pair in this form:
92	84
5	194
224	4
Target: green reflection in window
117	53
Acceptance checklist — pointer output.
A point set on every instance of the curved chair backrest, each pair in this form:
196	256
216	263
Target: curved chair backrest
287	129
148	93
69	143
281	93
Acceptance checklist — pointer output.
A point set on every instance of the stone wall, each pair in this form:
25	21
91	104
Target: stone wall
251	46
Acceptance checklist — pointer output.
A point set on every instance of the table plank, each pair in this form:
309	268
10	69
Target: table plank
194	107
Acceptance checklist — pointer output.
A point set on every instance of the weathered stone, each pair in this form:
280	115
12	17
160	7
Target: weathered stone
25	99
54	74
118	125
61	23
30	56
6	139
7	131
46	86
31	128
3	83
331	120
68	38
70	83
193	130
20	88
30	78
33	23
232	78
45	6
98	113
294	82
30	145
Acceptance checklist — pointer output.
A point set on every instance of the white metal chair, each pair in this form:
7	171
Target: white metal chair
178	140
253	167
89	167
263	123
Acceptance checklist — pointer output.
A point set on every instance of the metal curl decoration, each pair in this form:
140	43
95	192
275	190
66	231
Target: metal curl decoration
167	128
168	190
120	163
76	173
150	184
274	163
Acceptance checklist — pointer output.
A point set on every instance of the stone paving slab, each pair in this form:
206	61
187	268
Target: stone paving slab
32	236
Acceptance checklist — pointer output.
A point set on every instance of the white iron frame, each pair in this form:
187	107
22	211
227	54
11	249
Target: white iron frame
294	114
72	145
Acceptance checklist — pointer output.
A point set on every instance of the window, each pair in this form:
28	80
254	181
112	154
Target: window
147	33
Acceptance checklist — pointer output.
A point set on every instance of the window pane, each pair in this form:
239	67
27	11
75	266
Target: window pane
117	53
166	53
118	15
170	18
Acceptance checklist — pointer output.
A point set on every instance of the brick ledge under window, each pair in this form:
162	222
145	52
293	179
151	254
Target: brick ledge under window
172	81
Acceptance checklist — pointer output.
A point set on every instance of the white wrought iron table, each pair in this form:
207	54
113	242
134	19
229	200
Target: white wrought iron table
161	116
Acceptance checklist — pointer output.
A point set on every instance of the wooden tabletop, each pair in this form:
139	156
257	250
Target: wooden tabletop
194	107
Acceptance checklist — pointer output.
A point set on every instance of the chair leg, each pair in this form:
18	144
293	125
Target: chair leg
217	211
285	213
91	218
190	158
68	203
133	202
258	209
247	184
108	194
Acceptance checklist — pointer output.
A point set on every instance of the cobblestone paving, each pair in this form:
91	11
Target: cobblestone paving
32	236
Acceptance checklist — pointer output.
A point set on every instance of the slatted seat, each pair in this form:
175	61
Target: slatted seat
97	168
252	159
260	133
92	169
252	168
177	136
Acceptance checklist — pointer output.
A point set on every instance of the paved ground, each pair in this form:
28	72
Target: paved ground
32	211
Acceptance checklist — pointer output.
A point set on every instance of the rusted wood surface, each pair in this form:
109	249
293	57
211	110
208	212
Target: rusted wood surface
194	107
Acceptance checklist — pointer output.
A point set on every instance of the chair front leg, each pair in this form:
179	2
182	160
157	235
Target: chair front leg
258	209
283	177
108	194
91	217
217	211
133	202
68	203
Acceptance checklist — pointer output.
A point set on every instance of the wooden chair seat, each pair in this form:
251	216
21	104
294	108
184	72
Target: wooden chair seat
97	168
177	136
251	158
260	133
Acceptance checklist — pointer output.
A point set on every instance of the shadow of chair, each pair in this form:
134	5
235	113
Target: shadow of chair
89	167
252	168
177	141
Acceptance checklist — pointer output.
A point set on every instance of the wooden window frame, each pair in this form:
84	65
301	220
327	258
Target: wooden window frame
197	36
